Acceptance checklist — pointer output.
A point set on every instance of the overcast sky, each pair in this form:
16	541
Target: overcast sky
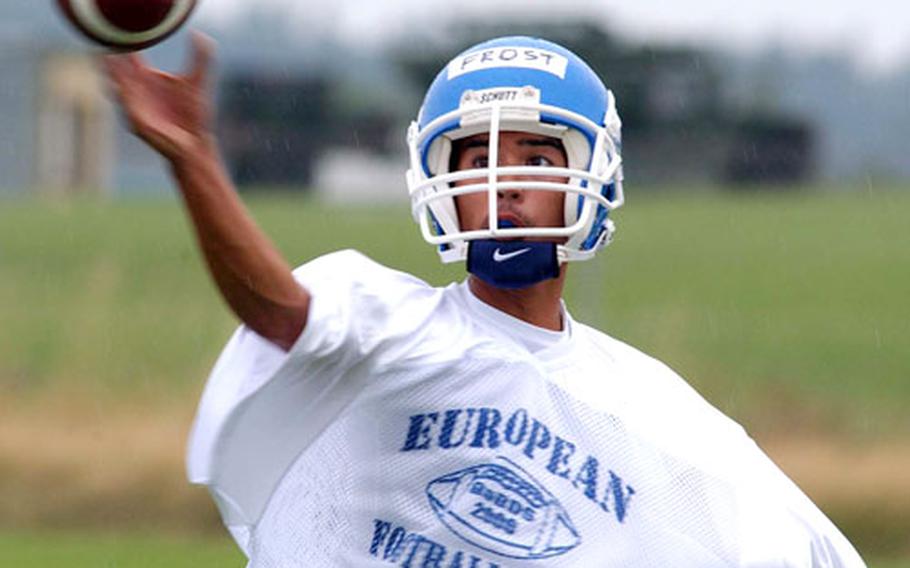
875	32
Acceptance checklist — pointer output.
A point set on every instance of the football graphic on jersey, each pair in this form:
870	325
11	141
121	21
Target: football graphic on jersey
127	25
500	508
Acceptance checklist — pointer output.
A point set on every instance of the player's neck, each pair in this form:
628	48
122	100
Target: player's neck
537	305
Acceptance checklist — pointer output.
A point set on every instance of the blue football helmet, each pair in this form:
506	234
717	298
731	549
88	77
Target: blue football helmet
528	85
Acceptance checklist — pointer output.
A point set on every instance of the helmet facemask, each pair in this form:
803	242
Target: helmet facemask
592	178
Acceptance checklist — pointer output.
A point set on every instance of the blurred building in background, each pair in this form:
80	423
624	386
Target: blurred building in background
57	128
311	113
58	131
18	66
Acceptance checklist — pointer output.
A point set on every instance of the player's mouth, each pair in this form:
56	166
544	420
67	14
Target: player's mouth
509	221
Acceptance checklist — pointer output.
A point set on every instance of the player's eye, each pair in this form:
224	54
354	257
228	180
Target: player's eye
479	161
539	160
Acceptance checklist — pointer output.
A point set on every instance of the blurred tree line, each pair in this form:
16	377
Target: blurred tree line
677	128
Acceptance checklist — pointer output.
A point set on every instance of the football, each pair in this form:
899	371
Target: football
500	508
127	25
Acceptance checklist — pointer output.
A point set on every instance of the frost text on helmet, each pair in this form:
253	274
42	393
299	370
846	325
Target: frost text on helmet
523	57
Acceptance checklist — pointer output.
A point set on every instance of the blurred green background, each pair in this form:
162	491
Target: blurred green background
787	309
786	304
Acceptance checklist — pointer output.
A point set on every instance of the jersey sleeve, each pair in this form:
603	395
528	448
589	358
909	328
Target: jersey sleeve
776	524
787	529
262	406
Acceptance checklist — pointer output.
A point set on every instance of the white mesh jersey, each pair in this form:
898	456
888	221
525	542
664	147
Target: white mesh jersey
416	426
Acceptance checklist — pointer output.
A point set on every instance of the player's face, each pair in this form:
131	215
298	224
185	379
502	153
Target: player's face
521	208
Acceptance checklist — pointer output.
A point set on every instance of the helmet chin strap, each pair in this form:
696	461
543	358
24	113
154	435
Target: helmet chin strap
512	264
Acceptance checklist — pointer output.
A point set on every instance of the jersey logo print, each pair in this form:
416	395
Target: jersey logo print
500	256
500	508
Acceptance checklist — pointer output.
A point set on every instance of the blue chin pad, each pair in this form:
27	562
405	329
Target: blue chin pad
512	264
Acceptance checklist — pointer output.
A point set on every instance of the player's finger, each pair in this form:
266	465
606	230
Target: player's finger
121	67
116	75
203	52
113	66
136	62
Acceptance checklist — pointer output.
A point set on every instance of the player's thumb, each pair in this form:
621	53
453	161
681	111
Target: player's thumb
203	54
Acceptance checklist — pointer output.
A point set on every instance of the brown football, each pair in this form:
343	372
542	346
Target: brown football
127	25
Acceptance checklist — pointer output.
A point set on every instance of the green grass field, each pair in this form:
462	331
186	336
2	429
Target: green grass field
112	550
756	299
789	311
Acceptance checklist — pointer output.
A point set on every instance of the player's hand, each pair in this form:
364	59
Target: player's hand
172	113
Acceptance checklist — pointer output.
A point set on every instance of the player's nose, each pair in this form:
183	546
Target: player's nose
510	195
506	159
